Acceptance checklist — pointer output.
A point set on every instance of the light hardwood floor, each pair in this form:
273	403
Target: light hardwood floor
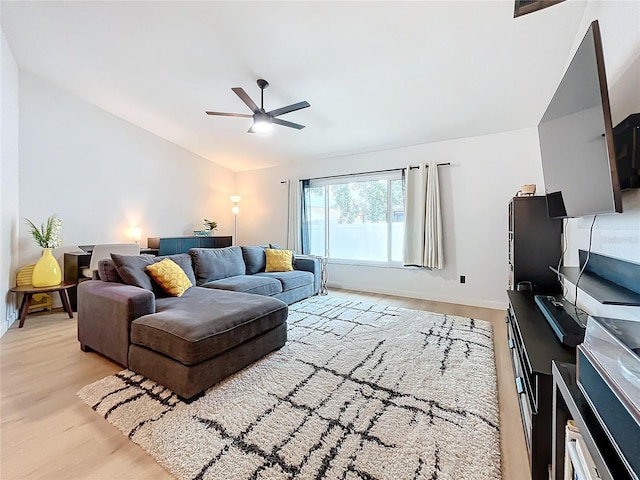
48	432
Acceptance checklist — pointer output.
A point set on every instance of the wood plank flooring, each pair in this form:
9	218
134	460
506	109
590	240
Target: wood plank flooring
47	432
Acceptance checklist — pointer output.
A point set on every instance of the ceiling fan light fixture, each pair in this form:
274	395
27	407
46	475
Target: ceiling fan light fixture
261	124
262	120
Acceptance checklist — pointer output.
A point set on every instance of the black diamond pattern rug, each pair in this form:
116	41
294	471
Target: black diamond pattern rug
360	391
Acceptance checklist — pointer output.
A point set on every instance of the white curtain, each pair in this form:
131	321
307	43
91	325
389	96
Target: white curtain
423	245
294	191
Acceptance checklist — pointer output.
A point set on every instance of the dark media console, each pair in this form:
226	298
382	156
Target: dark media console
541	333
533	346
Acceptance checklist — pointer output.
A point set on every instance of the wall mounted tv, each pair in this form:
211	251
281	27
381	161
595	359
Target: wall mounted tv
576	138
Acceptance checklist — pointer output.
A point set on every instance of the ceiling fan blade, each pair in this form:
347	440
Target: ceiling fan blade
290	108
284	123
244	115
246	99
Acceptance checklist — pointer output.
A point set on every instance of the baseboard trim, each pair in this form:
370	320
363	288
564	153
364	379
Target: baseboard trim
472	302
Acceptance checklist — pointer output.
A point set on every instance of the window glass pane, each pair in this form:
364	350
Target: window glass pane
358	221
315	202
356	217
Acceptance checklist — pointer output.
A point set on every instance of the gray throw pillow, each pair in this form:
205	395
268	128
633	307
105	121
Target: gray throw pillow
254	259
107	271
216	263
132	269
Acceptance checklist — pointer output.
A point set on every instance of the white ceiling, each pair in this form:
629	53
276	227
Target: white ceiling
377	74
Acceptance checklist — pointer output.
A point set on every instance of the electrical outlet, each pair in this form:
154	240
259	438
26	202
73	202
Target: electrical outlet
463	279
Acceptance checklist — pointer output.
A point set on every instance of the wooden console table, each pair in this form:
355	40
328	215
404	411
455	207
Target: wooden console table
29	291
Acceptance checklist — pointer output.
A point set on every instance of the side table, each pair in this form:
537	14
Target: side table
323	273
29	291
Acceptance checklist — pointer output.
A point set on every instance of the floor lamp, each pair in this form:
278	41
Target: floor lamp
235	199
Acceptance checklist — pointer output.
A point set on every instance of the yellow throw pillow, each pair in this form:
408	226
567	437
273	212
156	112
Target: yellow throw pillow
170	277
279	260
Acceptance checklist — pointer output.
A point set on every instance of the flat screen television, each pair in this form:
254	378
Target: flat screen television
576	138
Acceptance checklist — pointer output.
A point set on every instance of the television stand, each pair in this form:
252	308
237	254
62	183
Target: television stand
533	345
567	321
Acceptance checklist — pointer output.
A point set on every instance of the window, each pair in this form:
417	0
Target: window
355	218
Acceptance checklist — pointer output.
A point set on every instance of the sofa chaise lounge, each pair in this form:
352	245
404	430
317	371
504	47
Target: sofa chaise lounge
234	314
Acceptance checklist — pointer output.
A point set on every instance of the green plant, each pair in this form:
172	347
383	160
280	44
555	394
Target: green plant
47	235
210	224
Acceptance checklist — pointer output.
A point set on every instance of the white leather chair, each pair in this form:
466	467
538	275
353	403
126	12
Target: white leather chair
104	251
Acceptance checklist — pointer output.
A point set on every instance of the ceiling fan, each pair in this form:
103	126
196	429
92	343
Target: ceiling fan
263	121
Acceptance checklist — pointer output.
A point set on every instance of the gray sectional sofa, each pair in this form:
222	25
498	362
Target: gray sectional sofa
233	315
242	269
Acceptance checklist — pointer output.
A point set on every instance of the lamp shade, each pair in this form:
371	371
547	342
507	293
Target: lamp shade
135	233
235	198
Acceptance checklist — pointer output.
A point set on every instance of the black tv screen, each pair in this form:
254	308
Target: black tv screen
576	138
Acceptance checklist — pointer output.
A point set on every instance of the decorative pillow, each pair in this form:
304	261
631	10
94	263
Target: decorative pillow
277	246
170	276
254	259
107	271
132	269
184	261
215	263
279	260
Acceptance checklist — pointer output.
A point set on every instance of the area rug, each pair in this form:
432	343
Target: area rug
360	391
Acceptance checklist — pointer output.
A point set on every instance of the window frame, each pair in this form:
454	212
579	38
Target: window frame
326	182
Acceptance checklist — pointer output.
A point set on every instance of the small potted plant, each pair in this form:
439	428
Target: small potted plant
210	226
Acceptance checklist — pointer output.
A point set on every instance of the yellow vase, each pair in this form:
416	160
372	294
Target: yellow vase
47	271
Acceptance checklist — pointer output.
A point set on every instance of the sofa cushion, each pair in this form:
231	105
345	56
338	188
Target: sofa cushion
254	259
107	271
170	277
248	284
215	263
204	323
132	269
278	260
290	280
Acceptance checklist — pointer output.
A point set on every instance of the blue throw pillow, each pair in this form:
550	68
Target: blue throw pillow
254	259
216	263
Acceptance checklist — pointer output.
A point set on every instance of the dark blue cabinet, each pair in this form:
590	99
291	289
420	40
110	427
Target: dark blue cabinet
173	245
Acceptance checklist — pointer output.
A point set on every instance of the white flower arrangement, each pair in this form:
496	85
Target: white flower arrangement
48	235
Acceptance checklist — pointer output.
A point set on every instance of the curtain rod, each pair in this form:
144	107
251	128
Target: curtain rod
375	171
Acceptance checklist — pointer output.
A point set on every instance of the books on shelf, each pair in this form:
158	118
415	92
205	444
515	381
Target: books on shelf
578	463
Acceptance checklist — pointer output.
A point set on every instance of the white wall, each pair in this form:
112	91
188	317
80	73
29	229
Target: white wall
102	175
8	183
485	173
